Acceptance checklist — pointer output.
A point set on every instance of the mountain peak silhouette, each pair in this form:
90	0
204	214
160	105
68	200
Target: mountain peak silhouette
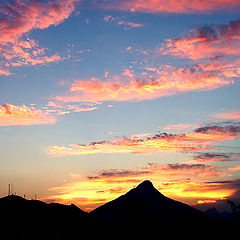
145	185
145	191
141	203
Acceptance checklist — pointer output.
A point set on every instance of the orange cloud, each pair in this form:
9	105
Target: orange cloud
206	201
234	169
11	115
201	139
126	145
191	189
173	6
168	171
206	137
167	80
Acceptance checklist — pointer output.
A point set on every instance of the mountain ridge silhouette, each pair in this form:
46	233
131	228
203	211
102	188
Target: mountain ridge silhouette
142	211
34	219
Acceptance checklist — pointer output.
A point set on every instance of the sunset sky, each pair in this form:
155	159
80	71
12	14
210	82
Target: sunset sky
99	95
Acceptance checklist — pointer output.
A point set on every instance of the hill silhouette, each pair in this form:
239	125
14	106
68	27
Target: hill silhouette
141	212
33	219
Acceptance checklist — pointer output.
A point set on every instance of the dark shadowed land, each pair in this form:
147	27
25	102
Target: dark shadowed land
141	212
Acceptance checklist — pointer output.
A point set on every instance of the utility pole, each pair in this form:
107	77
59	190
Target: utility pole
9	189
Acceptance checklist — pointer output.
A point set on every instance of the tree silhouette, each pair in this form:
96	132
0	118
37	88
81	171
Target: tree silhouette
235	209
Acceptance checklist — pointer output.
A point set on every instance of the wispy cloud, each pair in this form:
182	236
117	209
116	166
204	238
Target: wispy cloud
47	114
211	157
234	169
19	54
126	145
165	171
200	139
173	6
180	127
128	86
127	25
61	108
228	115
11	115
5	72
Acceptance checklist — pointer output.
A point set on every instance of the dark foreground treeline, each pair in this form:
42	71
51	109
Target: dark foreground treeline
142	212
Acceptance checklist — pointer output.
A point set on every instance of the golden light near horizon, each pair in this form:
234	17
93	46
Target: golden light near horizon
171	180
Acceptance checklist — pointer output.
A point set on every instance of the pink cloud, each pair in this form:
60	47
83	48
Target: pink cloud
210	41
173	6
5	72
167	80
11	115
18	56
21	17
230	115
129	48
228	68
